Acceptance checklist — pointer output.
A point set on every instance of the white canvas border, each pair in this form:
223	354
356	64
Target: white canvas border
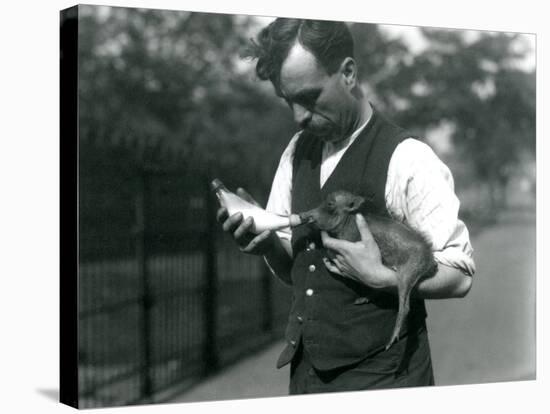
30	188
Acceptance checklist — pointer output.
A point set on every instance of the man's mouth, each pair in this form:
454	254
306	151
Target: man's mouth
320	129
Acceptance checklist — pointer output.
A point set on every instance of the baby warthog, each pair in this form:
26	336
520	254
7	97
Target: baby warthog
402	248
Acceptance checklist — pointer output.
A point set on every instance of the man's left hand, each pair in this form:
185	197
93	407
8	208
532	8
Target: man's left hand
360	261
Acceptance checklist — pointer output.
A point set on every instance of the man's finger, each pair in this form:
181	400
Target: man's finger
331	267
222	214
338	264
232	222
363	227
332	243
339	258
250	247
244	228
241	192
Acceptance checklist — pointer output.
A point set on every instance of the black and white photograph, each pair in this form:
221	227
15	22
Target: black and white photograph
273	206
285	206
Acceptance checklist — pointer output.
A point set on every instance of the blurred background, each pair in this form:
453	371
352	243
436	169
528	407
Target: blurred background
167	304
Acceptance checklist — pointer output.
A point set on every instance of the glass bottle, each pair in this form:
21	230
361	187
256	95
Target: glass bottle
263	220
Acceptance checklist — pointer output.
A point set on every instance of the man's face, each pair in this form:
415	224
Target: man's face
322	104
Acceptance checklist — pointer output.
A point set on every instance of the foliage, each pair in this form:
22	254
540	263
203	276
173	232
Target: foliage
170	83
167	82
473	86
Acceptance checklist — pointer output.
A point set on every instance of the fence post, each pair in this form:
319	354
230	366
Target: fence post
211	287
143	200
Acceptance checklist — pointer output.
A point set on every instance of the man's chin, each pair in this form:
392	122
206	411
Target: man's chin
323	134
328	137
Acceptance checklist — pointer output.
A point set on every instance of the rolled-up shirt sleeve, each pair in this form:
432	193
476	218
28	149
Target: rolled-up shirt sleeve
420	191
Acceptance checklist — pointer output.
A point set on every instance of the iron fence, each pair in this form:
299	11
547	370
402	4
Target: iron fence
165	298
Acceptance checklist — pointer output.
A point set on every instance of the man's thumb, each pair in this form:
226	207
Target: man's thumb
363	227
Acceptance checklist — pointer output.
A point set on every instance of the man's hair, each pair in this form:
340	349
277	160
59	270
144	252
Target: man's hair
330	42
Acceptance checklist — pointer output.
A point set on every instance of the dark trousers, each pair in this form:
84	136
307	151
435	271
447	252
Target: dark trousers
406	363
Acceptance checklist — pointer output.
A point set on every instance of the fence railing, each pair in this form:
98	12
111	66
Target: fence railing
164	297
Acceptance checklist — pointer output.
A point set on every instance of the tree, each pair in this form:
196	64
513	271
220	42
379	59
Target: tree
475	86
170	83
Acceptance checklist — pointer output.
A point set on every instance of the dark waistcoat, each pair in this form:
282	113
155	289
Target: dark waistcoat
341	321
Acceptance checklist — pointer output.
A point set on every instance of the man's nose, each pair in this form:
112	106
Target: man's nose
302	115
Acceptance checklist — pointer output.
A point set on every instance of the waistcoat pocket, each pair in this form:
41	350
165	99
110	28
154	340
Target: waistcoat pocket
386	361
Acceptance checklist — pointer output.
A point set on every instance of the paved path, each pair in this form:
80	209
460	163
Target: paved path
254	377
487	336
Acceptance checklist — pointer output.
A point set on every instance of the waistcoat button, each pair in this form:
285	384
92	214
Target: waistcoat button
312	268
309	292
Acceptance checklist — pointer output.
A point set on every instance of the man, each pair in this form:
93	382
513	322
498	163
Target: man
344	310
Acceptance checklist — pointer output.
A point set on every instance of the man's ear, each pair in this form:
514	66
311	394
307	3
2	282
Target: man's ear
355	204
348	68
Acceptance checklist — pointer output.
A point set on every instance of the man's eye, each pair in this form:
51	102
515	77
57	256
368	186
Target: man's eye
309	99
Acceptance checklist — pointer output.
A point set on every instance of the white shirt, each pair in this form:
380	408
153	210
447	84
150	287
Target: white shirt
419	191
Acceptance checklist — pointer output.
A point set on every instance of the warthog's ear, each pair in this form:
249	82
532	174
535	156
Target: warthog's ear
355	204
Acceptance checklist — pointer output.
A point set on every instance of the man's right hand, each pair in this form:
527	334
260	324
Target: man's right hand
278	253
240	230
